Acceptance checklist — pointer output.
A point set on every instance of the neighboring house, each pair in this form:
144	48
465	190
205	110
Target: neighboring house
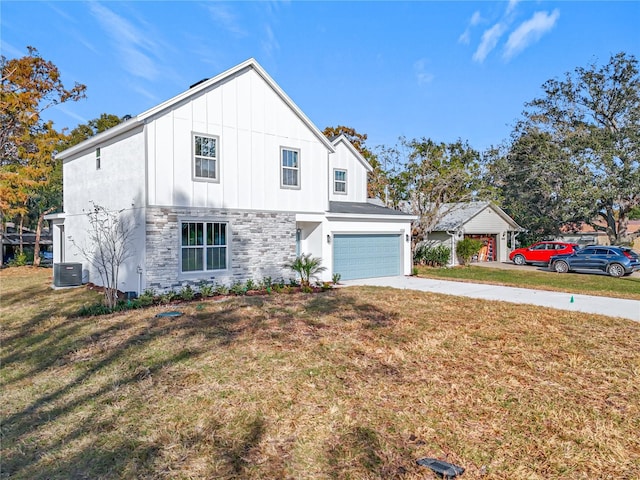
229	181
482	221
10	241
587	235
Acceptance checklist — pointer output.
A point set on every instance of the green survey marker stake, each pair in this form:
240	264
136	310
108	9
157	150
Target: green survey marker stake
571	301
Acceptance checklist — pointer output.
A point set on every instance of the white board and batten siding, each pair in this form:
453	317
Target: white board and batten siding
344	159
252	123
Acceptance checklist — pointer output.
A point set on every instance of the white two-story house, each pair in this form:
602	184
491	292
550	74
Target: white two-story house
226	182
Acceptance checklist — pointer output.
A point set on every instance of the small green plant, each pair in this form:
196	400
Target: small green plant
206	290
168	296
335	278
238	288
307	267
20	260
326	286
306	289
266	283
221	289
250	285
94	310
186	293
467	248
414	271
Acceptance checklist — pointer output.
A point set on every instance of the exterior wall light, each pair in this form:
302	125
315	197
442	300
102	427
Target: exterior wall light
328	238
406	237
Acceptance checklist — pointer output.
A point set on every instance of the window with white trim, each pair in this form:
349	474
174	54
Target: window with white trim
289	168
204	246
340	181
206	164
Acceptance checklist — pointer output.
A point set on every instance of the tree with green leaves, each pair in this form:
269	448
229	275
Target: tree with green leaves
93	127
429	178
535	178
29	86
591	118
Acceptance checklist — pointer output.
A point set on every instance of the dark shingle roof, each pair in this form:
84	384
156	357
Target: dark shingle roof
362	209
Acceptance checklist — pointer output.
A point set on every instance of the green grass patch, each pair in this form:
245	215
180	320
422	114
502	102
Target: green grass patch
531	277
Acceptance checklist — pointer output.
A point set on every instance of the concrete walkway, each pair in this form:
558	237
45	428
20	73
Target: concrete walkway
612	307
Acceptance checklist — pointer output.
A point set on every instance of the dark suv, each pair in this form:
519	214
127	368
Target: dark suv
616	261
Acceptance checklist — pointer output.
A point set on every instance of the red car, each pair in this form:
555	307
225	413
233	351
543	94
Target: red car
541	252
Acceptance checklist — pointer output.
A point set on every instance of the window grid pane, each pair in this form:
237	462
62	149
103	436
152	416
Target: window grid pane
204	246
290	168
205	157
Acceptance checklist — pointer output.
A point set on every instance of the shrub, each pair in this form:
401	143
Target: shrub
187	293
206	290
169	296
250	285
335	278
467	248
307	267
221	289
238	288
432	255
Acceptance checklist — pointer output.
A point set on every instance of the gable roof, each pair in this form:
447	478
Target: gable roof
196	89
343	139
458	214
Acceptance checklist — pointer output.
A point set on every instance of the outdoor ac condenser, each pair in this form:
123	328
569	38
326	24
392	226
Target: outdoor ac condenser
67	274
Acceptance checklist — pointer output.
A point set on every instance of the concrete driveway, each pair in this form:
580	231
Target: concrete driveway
612	307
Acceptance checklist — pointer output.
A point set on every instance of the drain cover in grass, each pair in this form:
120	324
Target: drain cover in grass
442	469
169	314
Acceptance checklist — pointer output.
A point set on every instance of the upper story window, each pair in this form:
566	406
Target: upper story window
206	163
289	168
98	158
340	181
204	246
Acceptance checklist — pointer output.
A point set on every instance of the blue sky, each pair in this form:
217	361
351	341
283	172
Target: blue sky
443	70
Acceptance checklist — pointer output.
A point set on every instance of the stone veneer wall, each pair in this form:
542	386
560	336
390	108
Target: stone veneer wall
259	243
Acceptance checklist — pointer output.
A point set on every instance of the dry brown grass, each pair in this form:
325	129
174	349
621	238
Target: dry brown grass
350	384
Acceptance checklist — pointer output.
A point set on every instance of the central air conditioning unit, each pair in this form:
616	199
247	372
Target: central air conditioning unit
67	274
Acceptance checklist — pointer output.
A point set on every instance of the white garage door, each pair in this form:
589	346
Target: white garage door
366	255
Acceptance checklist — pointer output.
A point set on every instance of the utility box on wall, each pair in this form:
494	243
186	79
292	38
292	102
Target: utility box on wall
67	274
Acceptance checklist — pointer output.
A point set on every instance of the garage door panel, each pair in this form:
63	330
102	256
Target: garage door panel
366	255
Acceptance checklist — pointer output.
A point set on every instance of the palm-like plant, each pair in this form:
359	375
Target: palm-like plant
307	267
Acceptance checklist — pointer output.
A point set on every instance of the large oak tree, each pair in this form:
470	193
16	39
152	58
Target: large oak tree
590	121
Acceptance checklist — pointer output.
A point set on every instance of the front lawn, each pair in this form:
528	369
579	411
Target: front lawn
532	277
354	383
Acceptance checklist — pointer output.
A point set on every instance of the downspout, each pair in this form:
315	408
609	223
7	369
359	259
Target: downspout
453	247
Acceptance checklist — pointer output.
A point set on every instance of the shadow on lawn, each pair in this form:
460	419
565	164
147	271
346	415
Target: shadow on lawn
350	308
88	395
94	437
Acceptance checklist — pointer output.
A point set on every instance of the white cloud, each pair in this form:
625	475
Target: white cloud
422	75
70	113
530	32
132	44
489	41
511	7
465	38
223	16
10	51
269	43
